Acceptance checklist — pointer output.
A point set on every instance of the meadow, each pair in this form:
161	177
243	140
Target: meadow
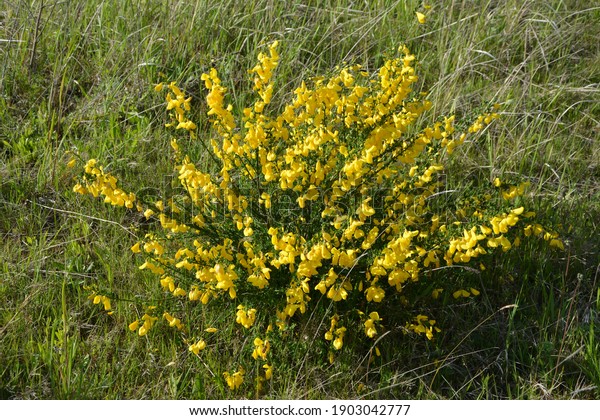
77	80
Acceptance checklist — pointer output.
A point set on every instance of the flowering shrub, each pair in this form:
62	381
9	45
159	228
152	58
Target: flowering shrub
339	195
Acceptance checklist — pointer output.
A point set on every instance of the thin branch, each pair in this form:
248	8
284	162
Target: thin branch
73	213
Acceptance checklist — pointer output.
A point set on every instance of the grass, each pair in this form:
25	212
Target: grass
79	77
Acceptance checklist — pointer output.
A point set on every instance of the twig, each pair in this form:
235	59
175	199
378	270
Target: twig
73	213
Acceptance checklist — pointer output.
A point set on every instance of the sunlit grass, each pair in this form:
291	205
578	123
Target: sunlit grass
81	78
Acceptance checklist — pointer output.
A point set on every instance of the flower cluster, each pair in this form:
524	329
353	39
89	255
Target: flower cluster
98	299
147	322
336	196
97	183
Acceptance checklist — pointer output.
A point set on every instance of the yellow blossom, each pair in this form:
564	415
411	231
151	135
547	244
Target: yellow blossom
261	348
375	294
245	317
235	380
197	347
268	371
369	324
460	293
134	325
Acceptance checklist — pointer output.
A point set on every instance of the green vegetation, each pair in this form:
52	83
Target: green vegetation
77	81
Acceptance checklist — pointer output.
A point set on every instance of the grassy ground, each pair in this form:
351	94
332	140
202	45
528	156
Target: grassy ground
78	77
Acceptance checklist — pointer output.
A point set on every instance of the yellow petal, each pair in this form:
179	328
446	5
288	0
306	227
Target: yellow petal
421	18
338	343
201	345
460	293
517	211
268	371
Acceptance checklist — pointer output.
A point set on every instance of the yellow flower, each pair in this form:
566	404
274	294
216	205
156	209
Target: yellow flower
80	189
460	293
369	324
187	125
338	343
261	348
149	321
104	300
234	381
197	347
436	293
268	371
421	18
517	211
338	293
245	318
259	281
173	322
339	340
375	294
